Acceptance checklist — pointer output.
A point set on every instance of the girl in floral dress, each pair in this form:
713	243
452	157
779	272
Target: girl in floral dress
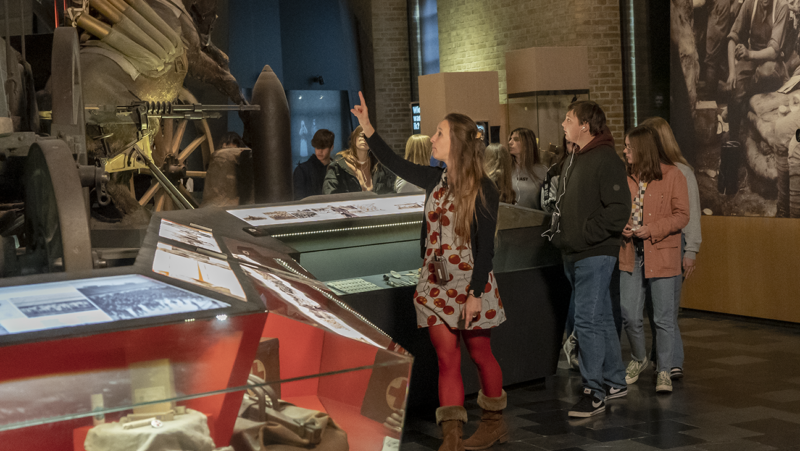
457	237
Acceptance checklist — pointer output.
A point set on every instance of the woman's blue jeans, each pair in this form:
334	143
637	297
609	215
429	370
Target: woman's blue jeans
633	287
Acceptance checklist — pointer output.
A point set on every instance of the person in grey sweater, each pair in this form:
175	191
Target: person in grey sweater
692	236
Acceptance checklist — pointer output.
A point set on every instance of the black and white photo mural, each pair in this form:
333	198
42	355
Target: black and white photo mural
735	87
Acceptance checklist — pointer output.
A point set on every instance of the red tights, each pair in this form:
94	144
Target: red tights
448	350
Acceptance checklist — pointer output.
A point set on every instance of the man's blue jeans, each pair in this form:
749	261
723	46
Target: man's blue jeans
633	286
599	351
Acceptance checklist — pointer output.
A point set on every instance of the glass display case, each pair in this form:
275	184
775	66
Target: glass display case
164	351
543	112
344	236
367	250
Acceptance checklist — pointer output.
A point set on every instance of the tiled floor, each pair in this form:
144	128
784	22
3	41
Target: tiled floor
741	392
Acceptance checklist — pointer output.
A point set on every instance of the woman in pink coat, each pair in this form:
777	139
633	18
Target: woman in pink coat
650	256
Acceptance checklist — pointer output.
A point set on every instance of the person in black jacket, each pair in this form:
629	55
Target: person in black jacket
309	175
457	294
593	206
356	170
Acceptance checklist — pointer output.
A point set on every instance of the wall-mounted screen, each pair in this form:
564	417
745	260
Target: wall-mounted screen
56	305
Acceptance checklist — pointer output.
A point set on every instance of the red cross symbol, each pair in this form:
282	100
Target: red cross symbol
396	393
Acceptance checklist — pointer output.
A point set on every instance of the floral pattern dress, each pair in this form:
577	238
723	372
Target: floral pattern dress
442	304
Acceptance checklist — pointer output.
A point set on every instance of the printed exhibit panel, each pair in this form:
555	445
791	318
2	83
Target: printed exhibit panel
735	110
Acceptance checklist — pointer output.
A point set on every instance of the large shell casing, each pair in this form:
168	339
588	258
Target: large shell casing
271	142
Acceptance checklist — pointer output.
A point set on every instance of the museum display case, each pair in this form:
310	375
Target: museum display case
165	350
366	249
543	112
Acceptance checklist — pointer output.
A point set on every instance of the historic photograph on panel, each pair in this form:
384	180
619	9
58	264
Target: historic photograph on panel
306	213
88	301
135	296
736	102
188	235
197	269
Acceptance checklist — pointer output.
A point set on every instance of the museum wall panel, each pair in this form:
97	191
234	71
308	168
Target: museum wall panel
748	267
474	35
742	145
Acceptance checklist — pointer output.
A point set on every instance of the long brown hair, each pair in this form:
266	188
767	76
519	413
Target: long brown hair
648	154
671	148
350	154
466	166
497	164
529	157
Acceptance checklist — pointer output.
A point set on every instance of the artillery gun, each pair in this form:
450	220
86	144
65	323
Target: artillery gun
44	221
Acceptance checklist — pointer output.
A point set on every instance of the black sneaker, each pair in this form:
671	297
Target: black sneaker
587	406
676	373
613	393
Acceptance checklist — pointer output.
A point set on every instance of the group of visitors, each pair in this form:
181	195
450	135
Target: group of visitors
636	221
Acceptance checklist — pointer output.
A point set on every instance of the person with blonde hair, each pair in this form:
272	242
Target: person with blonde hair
457	295
692	236
357	170
528	172
418	151
497	162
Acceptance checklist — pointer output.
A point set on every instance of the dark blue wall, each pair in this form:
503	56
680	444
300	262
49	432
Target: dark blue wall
254	41
299	40
319	39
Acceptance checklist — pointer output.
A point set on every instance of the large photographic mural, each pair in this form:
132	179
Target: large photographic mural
736	102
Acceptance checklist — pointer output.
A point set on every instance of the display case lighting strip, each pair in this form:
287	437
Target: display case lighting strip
345	229
287	266
355	313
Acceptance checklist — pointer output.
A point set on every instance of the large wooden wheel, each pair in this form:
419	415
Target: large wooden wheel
171	158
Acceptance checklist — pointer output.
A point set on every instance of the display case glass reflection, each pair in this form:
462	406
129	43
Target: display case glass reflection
198	269
543	112
315	110
55	305
304	303
309	213
190	236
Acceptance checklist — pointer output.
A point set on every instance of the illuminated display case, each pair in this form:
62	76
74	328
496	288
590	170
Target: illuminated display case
92	358
370	257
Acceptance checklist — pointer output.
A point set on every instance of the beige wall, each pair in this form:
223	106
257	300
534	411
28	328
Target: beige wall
747	267
474	35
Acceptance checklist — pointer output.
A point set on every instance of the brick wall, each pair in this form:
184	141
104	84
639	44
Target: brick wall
474	35
392	114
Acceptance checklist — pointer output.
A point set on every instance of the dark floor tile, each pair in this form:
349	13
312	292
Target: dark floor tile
735	445
777	433
550	429
648	415
560	442
610	434
546	406
421	439
553	416
669	441
739	360
666	427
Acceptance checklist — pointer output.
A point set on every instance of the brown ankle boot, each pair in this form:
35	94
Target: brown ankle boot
492	428
451	419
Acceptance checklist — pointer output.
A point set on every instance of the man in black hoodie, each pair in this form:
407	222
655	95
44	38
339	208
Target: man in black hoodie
593	206
309	175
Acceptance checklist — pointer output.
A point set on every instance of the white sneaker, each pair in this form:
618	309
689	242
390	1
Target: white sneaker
663	382
634	369
571	351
